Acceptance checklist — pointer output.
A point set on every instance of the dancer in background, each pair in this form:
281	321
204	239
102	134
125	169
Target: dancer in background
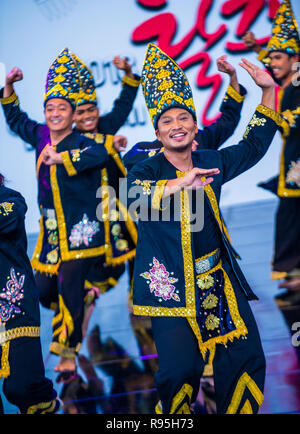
22	367
68	172
281	58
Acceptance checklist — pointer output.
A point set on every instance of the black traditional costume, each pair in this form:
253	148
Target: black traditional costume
22	367
189	283
286	261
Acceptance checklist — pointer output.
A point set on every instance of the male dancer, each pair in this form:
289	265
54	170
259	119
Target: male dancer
281	58
68	171
189	283
21	361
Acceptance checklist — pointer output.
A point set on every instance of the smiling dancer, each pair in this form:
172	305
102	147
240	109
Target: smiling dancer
187	280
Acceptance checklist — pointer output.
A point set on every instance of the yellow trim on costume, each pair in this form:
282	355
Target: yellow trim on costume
9	99
278	275
5	338
5	368
66	254
158	193
158	408
130	81
35	263
109	258
206	256
272	114
65	318
244	381
247	408
71	171
40	160
186	390
214	204
234	94
241	329
45	407
61	350
282	190
102	286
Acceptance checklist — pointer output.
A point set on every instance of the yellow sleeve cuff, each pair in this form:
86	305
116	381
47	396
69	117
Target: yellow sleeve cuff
8	100
270	113
68	163
130	81
234	94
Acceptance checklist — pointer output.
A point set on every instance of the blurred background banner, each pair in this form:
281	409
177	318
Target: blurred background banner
194	32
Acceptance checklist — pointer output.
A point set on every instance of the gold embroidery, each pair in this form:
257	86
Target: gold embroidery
185	391
246	409
4	368
269	113
210	301
212	322
205	282
66	254
7	208
241	329
71	171
244	381
42	407
234	94
35	263
65	320
158	193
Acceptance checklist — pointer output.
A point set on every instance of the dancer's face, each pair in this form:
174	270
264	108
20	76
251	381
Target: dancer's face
86	118
176	129
58	114
282	64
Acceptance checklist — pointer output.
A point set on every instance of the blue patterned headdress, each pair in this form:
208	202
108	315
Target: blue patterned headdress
164	85
285	34
87	90
62	78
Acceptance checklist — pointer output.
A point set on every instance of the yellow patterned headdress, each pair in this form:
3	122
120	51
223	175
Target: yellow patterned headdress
62	78
87	91
285	34
164	85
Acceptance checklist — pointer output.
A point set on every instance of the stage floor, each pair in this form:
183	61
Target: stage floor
117	359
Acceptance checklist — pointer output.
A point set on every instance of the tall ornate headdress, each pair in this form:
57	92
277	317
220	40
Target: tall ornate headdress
285	34
62	78
87	90
164	85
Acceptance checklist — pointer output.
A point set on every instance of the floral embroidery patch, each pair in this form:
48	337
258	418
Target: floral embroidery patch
11	295
6	208
83	232
160	283
293	175
145	184
260	122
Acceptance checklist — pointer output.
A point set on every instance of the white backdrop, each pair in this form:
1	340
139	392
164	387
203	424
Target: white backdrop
33	32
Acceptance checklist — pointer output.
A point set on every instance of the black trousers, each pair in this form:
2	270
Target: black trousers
65	291
238	367
287	235
26	386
